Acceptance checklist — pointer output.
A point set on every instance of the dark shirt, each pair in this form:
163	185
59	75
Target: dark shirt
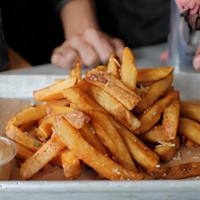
137	22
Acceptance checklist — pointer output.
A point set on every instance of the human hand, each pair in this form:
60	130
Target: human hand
196	60
92	47
192	5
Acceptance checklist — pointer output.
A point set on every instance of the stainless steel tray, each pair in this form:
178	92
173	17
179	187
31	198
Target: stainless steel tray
17	86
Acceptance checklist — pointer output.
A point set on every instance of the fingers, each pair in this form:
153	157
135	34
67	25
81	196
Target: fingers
87	53
164	56
64	56
118	46
100	43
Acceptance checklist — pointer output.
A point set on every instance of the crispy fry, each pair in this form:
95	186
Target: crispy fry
111	139
54	91
22	152
44	129
76	71
113	67
190	129
114	87
152	116
22	138
28	115
71	164
171	119
42	157
190	110
81	100
115	108
147	75
141	153
128	69
92	139
181	171
61	102
89	155
28	126
155	91
154	135
167	152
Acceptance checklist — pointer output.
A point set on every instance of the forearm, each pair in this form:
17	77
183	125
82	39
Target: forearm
77	16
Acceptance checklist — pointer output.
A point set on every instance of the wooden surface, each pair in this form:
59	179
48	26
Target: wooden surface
16	61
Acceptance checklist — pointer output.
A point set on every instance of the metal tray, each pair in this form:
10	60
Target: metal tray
20	87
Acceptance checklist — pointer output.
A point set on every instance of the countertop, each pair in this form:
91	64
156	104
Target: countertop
145	57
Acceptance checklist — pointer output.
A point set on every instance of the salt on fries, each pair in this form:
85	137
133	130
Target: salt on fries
121	121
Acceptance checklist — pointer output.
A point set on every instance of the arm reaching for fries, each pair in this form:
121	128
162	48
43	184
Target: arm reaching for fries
86	39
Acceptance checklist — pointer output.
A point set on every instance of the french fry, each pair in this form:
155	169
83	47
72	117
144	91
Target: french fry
104	166
181	171
190	110
54	91
113	67
114	87
156	90
60	102
22	138
190	129
92	139
171	118
28	126
28	115
128	69
112	106
154	135
141	153
81	100
149	75
76	71
152	116
44	129
111	139
71	165
41	157
167	152
22	152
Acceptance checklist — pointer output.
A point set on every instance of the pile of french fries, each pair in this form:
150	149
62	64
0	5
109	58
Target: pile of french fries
119	120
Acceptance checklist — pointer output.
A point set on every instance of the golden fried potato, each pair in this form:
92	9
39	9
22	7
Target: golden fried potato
181	171
54	91
22	152
89	155
155	91
113	67
171	119
41	157
71	165
189	129
190	110
91	137
27	115
153	114
112	106
140	152
114	87
149	75
81	100
111	139
22	138
166	151
128	69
